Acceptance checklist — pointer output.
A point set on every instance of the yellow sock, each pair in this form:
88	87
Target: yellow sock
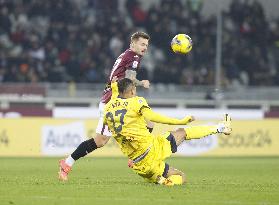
197	132
176	179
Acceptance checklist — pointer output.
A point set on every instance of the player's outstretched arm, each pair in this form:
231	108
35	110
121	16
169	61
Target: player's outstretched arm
156	117
132	75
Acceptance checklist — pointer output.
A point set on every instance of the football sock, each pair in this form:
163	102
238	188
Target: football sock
84	148
176	179
69	161
197	132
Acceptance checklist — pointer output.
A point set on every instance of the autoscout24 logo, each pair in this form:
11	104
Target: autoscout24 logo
198	146
256	139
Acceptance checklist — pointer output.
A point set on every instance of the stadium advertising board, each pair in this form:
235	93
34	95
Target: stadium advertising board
249	138
25	111
57	137
61	139
19	137
204	114
22	91
47	136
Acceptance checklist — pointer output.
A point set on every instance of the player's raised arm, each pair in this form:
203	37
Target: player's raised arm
142	108
114	88
132	75
156	117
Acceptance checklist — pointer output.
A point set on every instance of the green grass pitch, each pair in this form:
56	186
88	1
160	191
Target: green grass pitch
211	181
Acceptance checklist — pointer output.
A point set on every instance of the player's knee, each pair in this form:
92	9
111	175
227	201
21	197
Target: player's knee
101	140
179	134
180	131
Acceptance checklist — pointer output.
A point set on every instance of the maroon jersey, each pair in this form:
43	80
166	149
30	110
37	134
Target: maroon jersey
127	60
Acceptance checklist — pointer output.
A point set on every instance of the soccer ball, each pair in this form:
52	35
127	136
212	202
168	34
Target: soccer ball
181	43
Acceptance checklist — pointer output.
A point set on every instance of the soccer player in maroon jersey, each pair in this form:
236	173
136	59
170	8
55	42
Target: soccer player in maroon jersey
125	66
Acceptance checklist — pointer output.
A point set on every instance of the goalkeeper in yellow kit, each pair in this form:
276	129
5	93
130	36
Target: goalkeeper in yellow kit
126	115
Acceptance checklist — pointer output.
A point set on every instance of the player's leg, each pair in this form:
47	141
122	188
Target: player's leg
86	147
176	176
149	126
82	150
172	176
101	140
197	132
65	165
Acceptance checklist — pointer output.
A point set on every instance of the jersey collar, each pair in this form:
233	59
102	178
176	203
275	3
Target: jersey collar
121	97
134	53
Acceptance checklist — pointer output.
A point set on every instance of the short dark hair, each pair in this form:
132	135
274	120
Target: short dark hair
124	84
139	34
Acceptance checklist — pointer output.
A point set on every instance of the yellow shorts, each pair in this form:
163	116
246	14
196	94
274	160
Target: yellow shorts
153	165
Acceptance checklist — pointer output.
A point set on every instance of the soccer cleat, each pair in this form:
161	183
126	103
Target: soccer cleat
225	126
168	182
176	179
64	170
165	181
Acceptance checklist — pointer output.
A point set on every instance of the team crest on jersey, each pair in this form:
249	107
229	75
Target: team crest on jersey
135	64
140	101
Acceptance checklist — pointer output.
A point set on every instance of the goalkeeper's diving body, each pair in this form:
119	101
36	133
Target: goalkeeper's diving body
125	116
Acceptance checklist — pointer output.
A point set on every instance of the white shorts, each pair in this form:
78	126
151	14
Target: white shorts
101	128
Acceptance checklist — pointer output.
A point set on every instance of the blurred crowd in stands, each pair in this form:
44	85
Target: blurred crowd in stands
79	40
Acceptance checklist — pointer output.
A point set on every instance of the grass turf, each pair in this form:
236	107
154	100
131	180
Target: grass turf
211	181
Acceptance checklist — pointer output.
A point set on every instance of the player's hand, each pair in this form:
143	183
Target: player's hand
192	118
189	119
130	163
145	83
114	79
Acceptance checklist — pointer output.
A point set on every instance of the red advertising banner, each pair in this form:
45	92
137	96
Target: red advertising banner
22	90
25	111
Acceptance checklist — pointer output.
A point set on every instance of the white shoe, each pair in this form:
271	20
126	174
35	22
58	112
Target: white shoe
225	126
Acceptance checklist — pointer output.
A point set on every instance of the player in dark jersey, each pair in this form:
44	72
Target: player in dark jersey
125	66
